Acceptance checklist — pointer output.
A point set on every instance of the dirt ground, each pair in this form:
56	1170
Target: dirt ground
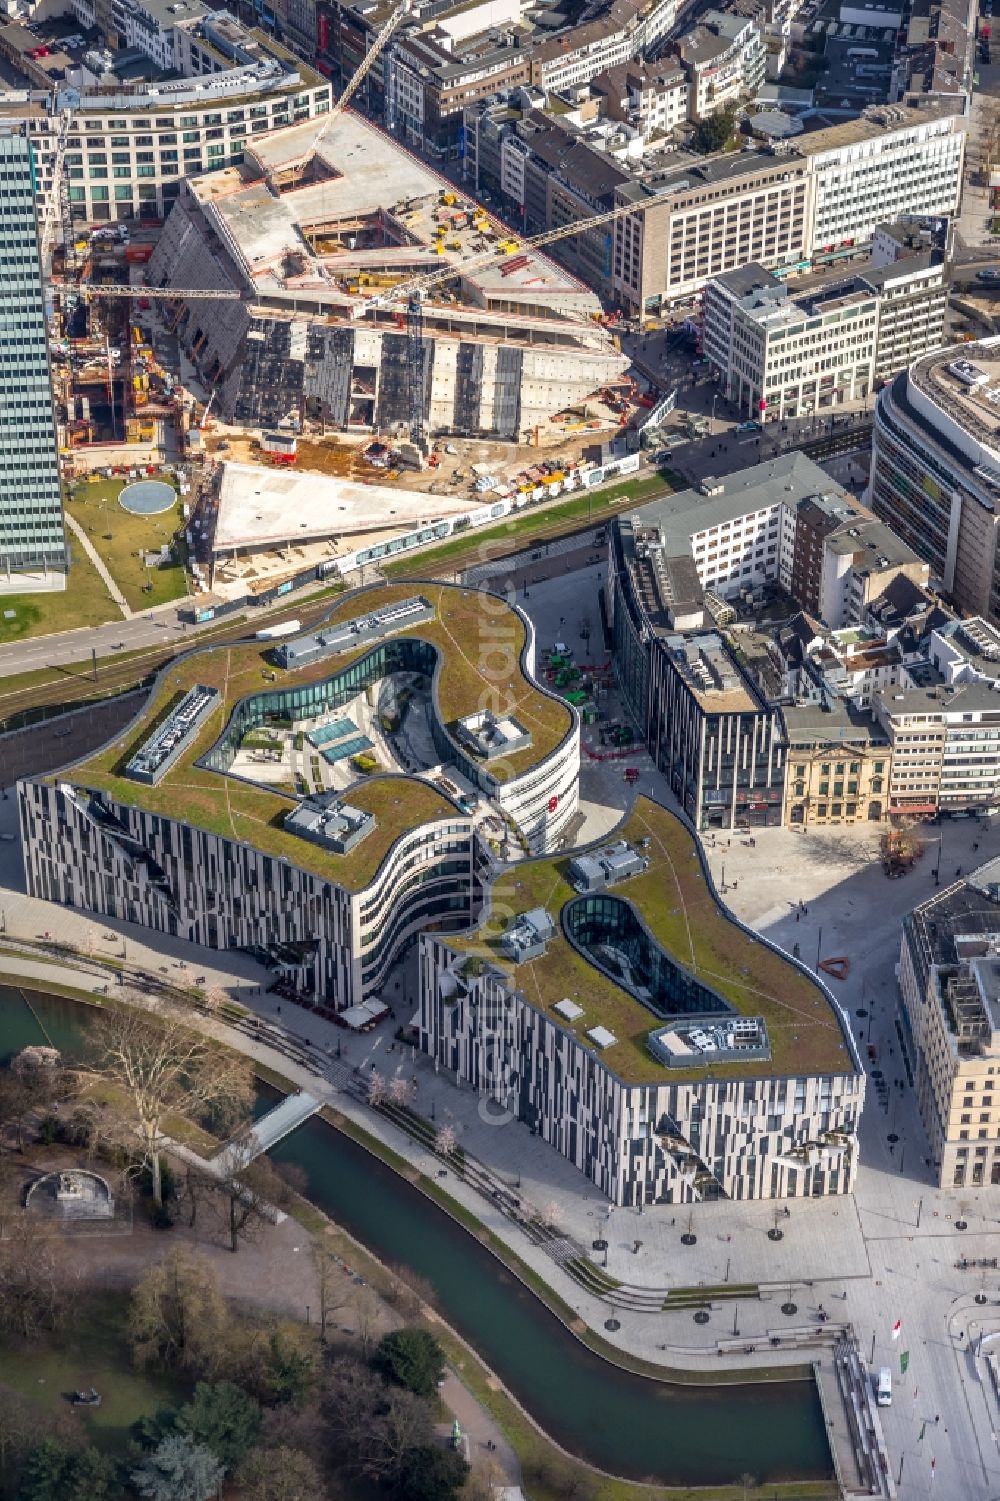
341	457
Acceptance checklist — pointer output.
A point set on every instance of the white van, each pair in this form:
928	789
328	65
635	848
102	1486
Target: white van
883	1387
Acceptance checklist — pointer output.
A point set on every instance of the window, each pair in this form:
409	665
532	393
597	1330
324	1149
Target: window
824	789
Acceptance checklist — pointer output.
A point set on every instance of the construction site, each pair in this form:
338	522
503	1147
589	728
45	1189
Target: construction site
324	249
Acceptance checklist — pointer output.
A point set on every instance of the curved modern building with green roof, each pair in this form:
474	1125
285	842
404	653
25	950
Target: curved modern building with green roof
320	800
608	1000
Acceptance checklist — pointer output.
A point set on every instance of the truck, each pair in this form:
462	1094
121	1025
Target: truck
275	632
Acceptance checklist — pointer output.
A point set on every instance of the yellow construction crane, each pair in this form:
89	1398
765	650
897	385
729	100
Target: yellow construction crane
419	286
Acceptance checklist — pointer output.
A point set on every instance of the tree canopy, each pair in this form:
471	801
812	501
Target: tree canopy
179	1469
411	1358
223	1417
429	1473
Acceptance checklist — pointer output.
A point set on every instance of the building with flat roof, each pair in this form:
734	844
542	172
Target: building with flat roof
949	1012
33	550
944	730
788	351
217	848
669	1053
131	145
936	469
837	764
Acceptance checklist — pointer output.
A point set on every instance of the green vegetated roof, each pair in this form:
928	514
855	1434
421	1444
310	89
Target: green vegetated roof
676	903
480	642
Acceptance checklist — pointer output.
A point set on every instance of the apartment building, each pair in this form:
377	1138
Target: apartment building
652	97
724	60
32	538
787	352
664	1075
625	29
130	149
945	733
151	26
837	767
446	57
936	469
949	1013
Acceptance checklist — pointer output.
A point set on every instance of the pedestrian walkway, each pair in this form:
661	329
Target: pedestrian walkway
98	562
293	1111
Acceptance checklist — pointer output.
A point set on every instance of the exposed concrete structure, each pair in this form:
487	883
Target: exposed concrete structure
343	223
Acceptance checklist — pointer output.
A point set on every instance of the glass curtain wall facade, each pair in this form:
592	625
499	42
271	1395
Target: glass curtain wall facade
32	538
607	928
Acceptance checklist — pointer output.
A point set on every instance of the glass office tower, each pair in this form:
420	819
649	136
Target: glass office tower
32	539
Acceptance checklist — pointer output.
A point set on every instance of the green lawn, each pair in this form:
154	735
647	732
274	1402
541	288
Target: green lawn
85	601
594	506
120	537
93	1352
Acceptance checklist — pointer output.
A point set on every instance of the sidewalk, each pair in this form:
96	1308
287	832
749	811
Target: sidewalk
99	564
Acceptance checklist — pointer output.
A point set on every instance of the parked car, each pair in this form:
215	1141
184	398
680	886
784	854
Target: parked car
991	278
748	427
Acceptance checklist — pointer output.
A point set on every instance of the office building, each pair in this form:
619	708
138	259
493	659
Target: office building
895	160
182	826
936	469
129	148
790	351
32	538
654	1053
949	1013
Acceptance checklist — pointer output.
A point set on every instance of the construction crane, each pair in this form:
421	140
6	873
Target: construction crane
169	294
413	293
374	52
358	77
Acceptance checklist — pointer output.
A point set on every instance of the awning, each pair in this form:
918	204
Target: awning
364	1015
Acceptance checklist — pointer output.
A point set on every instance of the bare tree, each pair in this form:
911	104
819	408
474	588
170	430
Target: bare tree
35	1079
485	1480
402	1422
376	1089
445	1141
333	1283
251	1188
365	1306
37	1280
162	1068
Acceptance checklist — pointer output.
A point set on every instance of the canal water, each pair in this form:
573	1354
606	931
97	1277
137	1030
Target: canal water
628	1424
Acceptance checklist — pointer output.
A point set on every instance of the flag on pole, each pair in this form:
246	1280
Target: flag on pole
904	1361
897	1328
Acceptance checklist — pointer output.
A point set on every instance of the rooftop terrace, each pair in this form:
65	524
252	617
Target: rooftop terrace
674	900
471	640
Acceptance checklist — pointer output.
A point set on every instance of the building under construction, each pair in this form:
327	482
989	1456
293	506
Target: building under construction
313	235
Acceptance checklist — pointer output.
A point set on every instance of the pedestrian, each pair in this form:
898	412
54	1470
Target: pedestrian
937	1417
